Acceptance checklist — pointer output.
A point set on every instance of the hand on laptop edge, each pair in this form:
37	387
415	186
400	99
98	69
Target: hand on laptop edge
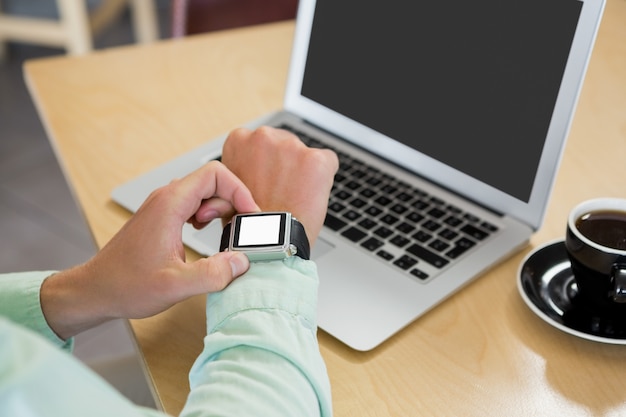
283	174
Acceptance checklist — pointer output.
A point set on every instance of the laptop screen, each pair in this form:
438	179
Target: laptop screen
472	84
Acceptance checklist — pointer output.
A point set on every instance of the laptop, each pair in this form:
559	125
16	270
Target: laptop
449	119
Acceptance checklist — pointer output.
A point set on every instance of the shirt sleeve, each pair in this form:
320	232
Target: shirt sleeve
38	379
20	303
261	356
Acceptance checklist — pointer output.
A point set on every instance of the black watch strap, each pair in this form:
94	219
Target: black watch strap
298	238
225	237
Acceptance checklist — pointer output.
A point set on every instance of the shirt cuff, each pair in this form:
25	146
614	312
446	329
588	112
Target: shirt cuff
20	302
289	285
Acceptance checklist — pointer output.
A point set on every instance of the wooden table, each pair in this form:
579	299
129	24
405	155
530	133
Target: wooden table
117	113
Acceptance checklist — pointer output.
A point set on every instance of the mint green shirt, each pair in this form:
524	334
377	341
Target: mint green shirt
260	355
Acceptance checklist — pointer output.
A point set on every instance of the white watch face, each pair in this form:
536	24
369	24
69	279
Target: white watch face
259	230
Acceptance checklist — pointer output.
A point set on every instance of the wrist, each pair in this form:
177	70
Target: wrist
69	303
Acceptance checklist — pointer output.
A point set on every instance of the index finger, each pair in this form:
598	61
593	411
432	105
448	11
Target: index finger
212	180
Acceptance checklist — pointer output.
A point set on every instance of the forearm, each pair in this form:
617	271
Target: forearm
70	302
261	355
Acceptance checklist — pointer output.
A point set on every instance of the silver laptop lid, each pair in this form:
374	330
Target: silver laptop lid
476	96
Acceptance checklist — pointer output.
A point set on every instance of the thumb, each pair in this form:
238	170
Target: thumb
216	272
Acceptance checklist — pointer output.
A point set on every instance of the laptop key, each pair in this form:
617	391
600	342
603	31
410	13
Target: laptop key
351	215
415	217
382	200
342	195
405	228
372	244
422	236
399	241
398	208
489	226
453	221
373	211
428	256
470	218
460	247
436	212
354	234
383	232
448	234
359	173
431	225
474	232
404	197
389	219
437	201
367	223
353	185
358	203
439	245
333	222
419	273
420	205
385	255
339	178
336	207
405	262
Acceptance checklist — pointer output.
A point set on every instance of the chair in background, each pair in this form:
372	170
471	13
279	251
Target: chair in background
76	26
197	16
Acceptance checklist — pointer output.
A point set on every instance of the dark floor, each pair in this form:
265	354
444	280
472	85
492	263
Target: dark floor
41	227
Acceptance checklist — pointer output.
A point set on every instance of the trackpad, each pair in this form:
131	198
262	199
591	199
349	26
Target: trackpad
321	248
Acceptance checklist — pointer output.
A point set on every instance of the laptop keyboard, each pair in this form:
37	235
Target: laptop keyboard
403	225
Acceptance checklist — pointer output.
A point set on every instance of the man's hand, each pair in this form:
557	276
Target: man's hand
142	270
283	174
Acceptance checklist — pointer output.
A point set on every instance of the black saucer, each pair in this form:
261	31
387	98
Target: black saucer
546	284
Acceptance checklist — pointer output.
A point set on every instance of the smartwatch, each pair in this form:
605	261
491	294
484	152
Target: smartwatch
266	236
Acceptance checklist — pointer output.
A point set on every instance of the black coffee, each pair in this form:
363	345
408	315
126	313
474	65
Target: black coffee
607	227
